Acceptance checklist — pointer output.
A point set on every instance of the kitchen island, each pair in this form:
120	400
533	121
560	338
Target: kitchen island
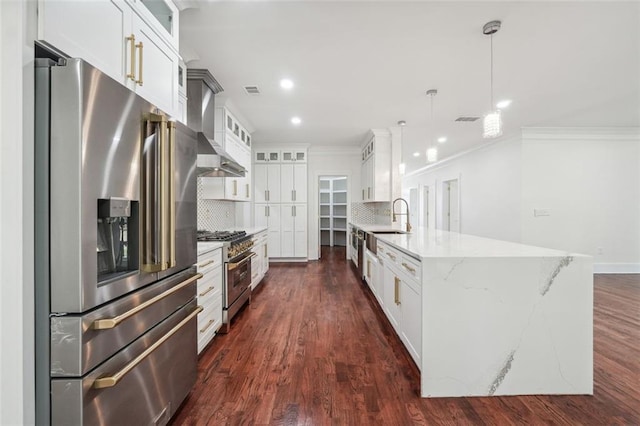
483	317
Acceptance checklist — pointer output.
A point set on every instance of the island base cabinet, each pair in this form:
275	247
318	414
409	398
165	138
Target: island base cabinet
402	300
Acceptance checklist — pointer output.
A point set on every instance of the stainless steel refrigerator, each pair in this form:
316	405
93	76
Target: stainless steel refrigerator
115	248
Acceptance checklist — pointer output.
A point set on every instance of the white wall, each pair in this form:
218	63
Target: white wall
589	180
330	161
17	32
489	190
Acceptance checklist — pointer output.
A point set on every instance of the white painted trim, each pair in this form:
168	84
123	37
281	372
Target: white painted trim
288	260
337	149
616	268
581	133
437	165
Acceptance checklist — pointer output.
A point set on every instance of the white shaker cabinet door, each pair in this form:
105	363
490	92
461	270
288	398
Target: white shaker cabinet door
287	225
300	182
156	68
300	230
261	179
95	31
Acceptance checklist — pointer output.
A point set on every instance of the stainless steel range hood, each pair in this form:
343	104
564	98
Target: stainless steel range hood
213	161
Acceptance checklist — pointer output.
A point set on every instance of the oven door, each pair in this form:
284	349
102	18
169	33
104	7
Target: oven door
238	277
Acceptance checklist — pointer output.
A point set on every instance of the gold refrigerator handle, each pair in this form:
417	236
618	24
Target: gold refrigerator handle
132	64
164	198
106	323
171	158
140	59
110	381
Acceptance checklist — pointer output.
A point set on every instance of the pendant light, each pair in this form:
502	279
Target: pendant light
402	167
492	122
432	148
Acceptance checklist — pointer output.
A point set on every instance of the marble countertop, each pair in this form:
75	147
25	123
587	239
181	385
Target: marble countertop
379	228
423	243
254	230
207	246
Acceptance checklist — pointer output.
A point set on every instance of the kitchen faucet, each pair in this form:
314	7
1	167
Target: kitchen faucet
393	206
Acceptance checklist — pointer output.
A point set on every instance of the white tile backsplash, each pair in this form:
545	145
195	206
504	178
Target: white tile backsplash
215	215
371	213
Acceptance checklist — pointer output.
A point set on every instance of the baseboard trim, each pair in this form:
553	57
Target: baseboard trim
288	259
616	268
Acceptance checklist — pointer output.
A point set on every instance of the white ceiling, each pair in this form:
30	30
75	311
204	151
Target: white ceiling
362	65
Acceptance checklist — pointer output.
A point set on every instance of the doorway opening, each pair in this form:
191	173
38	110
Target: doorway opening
451	205
332	203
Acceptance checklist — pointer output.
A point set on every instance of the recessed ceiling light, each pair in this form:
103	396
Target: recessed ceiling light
416	154
503	104
296	120
442	139
286	84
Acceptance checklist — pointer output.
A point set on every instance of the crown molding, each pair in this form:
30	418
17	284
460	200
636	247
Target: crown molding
580	133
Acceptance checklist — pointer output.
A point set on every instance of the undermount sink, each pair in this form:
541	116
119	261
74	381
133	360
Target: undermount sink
390	232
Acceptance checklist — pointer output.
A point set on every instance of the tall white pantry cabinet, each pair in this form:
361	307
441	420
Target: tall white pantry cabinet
280	185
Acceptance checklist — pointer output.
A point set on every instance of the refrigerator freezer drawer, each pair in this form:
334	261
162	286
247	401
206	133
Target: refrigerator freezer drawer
144	393
81	342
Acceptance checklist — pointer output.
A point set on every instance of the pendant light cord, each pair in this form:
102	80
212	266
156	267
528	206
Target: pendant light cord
491	109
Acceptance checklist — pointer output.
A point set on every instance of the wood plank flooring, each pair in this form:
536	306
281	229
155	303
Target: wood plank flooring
313	348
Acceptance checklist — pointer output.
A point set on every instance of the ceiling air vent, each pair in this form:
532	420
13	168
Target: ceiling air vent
252	90
467	118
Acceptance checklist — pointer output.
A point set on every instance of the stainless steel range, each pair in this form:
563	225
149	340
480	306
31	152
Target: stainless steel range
236	255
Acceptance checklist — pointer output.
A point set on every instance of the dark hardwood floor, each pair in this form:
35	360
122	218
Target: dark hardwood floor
313	348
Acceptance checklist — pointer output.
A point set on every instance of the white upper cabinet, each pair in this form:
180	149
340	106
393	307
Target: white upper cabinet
376	167
120	38
92	30
294	183
267	183
162	15
267	156
299	156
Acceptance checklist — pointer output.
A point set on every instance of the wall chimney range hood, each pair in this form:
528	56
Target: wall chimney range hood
213	160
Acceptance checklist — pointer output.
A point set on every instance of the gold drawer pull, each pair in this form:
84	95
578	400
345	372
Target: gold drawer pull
391	256
110	381
202	265
102	324
396	290
206	291
408	268
202	330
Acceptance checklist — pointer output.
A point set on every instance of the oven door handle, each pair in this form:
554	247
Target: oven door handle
106	323
233	266
110	381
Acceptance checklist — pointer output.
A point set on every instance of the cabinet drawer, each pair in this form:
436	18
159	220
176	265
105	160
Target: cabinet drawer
411	266
389	254
209	260
209	320
210	283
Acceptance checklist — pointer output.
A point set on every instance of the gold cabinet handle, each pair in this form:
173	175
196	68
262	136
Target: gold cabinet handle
396	290
235	187
391	256
202	265
204	293
202	330
110	381
106	323
266	195
408	268
265	250
363	194
139	46
247	190
369	192
132	65
368	268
